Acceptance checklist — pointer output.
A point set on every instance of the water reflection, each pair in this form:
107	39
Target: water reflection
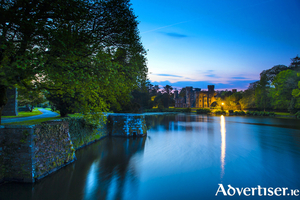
109	174
186	158
101	172
223	144
176	122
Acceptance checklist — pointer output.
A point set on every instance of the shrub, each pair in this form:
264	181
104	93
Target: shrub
220	112
203	111
260	113
239	113
187	110
45	105
297	115
160	107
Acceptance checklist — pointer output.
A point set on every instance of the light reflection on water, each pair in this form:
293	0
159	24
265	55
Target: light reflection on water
223	144
183	157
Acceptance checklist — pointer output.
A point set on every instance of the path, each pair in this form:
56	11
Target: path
46	114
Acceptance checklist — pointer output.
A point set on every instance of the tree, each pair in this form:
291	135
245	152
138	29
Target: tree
153	90
87	53
233	101
284	83
295	65
30	98
22	26
262	99
248	99
182	92
271	73
25	29
296	94
167	95
119	67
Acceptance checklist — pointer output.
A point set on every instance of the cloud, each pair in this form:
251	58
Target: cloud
210	74
168	75
166	26
232	84
174	35
238	77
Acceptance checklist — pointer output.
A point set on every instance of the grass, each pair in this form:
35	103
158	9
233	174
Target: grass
42	108
33	122
25	114
38	121
282	113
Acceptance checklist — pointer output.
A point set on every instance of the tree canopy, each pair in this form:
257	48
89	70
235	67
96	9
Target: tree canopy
86	53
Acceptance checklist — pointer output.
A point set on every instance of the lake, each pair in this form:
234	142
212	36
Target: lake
184	156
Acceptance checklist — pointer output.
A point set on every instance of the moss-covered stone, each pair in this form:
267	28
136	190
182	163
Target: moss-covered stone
82	133
29	152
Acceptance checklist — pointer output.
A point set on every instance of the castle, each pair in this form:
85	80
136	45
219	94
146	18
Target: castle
195	98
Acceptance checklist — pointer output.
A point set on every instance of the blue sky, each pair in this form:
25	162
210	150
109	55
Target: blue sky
222	42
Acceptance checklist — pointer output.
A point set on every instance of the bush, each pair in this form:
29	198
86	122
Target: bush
45	105
220	112
260	113
297	115
203	111
187	110
160	107
239	113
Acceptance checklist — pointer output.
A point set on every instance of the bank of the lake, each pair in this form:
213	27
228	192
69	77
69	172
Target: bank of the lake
184	156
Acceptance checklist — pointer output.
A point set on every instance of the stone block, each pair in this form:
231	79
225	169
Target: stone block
28	153
11	108
127	125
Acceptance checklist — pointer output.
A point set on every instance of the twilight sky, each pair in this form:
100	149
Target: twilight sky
222	42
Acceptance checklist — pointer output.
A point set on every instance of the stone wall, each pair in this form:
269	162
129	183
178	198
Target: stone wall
53	148
16	153
28	153
11	108
83	134
127	125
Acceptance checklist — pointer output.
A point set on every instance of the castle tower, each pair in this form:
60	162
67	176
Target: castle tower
189	96
210	94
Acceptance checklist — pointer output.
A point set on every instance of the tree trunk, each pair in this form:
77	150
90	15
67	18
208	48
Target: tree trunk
63	112
3	99
1	108
31	108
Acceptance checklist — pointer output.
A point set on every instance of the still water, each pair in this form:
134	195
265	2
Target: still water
183	157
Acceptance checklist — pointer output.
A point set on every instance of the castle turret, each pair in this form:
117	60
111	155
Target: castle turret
189	96
175	94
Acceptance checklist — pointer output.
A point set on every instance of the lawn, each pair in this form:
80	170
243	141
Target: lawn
25	114
33	122
38	121
282	113
43	108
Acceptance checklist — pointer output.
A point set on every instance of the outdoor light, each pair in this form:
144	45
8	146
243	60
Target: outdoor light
222	103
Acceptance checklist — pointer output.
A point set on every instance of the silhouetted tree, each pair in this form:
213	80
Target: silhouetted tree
262	99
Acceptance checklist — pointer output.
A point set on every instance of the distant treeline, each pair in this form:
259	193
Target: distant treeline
277	89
